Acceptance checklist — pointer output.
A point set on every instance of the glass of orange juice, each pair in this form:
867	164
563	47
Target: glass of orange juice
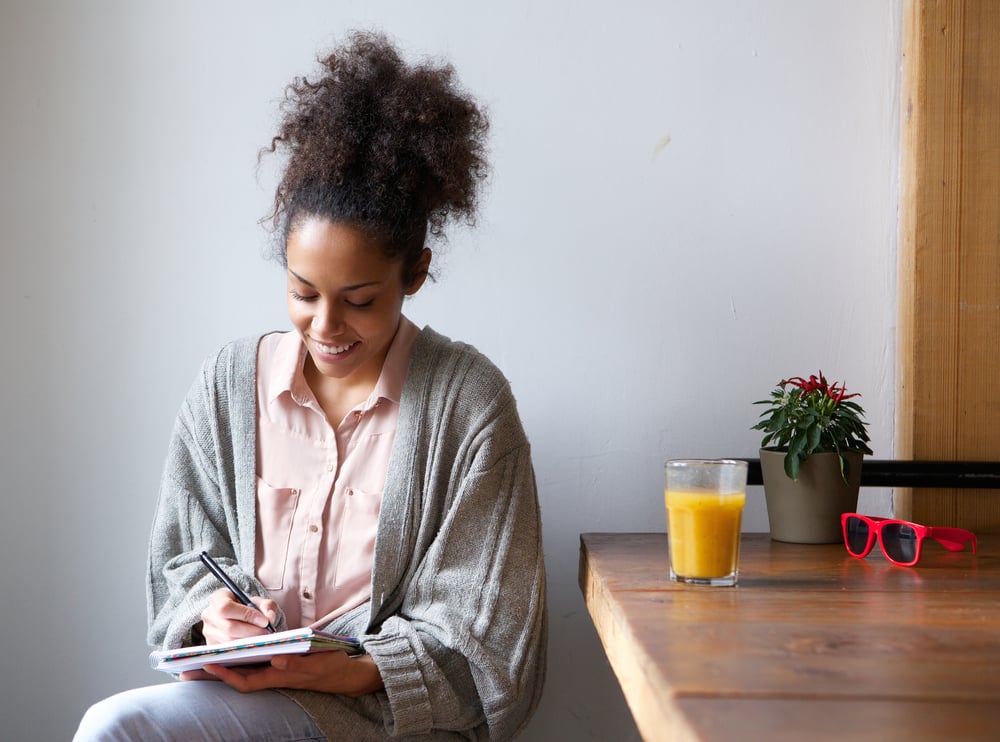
705	500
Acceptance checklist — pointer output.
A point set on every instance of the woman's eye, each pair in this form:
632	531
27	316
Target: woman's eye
360	304
299	297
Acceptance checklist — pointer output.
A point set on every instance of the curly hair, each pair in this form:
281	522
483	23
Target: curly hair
393	149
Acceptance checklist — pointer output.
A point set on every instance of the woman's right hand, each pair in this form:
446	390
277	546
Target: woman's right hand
225	618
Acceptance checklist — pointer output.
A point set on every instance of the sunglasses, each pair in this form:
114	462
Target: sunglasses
900	540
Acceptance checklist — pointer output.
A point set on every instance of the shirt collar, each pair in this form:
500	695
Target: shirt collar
289	359
397	362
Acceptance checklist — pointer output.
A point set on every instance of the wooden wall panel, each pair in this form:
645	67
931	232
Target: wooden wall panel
949	271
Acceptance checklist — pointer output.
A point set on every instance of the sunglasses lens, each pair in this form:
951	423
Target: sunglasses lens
856	535
900	542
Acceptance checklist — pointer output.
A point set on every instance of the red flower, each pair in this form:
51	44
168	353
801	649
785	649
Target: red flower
813	384
839	395
836	391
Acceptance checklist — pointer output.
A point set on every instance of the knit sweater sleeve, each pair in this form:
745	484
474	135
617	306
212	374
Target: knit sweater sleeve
197	508
462	644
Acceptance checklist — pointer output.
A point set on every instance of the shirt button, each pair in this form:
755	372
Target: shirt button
350	493
307	595
314	528
329	467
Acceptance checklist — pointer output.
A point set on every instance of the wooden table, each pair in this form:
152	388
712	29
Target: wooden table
811	645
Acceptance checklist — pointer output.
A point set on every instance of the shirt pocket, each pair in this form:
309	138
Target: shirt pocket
357	538
275	516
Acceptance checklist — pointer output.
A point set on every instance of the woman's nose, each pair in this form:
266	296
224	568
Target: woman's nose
328	320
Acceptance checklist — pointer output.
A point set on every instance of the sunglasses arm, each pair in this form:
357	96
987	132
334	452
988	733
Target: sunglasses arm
953	539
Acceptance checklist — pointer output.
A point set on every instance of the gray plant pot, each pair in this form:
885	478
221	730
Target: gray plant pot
807	510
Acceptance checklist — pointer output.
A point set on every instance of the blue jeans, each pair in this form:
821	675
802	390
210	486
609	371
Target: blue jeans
196	710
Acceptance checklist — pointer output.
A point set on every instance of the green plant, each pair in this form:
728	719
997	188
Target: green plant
807	416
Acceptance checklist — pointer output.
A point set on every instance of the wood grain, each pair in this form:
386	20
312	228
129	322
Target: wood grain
809	632
948	403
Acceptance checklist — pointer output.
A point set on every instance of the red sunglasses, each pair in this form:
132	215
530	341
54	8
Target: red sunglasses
901	541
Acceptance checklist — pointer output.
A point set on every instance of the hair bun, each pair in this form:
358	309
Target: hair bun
395	148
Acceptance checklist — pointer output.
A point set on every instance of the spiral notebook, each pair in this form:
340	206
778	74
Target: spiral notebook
252	650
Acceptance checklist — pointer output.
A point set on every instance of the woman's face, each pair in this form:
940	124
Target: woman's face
345	298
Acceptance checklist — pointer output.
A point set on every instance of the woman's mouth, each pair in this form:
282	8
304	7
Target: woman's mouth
333	350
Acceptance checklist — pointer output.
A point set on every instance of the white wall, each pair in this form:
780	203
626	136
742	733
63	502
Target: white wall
690	200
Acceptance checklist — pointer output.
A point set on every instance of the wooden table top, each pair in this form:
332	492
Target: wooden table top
812	643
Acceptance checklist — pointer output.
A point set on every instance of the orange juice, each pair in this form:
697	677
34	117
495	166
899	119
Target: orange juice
704	533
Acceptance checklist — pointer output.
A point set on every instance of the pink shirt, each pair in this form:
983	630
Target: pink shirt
318	489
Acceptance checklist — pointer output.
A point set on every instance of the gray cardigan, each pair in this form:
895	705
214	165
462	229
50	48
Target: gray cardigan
456	622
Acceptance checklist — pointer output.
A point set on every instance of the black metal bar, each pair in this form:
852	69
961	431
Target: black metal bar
936	474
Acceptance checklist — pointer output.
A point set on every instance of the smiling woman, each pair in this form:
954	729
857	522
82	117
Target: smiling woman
336	472
345	298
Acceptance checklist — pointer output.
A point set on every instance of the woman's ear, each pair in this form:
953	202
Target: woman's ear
418	273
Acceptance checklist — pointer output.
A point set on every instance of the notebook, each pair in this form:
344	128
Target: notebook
255	649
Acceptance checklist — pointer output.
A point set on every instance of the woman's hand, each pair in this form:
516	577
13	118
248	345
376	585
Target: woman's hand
327	672
225	618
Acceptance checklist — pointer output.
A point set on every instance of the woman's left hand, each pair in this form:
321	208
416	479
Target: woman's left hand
327	672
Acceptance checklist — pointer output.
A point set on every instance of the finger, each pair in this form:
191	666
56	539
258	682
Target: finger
292	664
196	675
219	609
249	615
222	600
267	606
247	680
229	609
226	630
281	662
225	618
319	663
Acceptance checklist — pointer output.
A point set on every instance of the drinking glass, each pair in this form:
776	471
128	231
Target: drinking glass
704	499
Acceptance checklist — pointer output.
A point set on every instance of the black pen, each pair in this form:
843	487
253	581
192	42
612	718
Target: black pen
233	588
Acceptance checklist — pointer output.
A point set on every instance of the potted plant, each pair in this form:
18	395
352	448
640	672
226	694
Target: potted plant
811	455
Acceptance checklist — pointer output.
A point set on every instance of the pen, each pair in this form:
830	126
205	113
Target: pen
233	588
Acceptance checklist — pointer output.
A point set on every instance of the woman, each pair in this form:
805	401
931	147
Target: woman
358	474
